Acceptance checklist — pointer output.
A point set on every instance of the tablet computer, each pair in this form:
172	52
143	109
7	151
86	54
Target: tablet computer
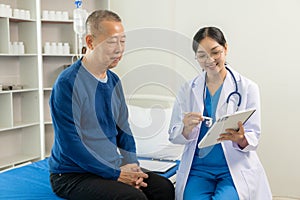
223	123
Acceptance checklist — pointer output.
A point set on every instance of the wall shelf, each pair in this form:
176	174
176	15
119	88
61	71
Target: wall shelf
57	21
13	19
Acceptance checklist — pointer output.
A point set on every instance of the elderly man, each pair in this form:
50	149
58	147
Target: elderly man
94	154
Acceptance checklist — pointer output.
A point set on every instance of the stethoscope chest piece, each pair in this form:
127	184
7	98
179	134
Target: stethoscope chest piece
208	121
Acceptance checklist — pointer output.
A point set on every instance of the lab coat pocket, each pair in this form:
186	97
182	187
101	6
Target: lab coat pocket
252	178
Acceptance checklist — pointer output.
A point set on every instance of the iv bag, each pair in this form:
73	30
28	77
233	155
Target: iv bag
79	16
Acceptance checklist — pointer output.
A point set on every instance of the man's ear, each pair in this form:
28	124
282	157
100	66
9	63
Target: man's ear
89	41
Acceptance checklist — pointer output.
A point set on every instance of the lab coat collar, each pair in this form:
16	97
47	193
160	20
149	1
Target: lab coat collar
228	87
197	86
197	89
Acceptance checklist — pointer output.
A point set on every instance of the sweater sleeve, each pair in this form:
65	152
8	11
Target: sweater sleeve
125	139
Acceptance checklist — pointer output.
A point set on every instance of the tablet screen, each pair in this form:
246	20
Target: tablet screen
223	123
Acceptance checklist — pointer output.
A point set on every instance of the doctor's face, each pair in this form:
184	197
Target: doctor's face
108	45
211	55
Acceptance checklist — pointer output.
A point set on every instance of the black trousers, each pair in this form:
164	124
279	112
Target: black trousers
90	186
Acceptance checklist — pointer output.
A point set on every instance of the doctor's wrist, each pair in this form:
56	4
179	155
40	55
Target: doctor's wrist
243	143
186	132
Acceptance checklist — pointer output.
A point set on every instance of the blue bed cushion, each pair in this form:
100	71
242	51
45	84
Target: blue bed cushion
32	182
28	182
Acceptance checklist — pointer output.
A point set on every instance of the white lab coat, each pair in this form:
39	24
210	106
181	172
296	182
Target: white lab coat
246	170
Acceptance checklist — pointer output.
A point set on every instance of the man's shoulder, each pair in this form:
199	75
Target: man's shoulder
113	76
70	71
68	75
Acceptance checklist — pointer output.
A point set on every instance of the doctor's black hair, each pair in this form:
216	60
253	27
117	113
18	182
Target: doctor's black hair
211	32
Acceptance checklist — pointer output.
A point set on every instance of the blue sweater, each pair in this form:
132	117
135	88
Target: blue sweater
90	121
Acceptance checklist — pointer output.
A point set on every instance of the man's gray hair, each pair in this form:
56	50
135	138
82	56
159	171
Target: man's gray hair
93	25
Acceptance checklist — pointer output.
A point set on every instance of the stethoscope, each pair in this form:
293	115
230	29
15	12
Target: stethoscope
209	120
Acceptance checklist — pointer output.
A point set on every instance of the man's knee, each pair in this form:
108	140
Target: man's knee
169	190
137	195
160	188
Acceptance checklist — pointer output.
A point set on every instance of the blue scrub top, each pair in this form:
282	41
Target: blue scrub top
211	158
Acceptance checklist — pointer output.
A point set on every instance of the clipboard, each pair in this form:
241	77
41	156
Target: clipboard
223	123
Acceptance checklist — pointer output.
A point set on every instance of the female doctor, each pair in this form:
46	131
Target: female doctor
230	169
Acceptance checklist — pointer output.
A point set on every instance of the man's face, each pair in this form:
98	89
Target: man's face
109	45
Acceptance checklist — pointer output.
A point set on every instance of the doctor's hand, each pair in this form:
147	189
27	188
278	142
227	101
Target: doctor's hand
132	174
190	121
237	136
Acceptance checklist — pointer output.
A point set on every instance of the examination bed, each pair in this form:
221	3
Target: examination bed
32	182
149	123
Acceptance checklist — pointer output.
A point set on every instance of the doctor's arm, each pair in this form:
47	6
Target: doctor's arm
247	137
183	126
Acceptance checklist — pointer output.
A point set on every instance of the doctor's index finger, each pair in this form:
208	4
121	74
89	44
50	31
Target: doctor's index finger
241	127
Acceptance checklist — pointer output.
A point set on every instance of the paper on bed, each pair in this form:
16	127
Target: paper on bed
156	165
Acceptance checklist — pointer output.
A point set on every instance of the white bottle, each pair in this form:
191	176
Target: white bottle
27	14
47	48
45	14
10	48
22	14
53	49
2	10
7	10
21	48
16	13
66	49
15	48
58	15
52	15
60	49
65	15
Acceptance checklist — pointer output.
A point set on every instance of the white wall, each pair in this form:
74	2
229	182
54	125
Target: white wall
264	45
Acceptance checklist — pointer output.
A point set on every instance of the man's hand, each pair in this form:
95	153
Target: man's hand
132	174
